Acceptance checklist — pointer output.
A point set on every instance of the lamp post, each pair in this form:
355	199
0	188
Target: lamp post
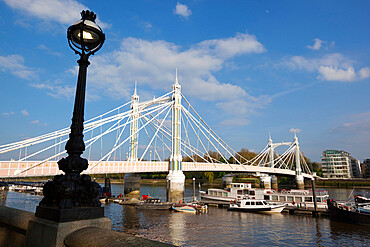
73	196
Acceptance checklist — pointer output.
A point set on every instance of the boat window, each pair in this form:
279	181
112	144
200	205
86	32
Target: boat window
247	203
318	199
220	193
282	198
264	202
266	197
298	199
259	203
239	192
245	192
211	192
275	198
308	199
252	193
225	193
290	198
253	203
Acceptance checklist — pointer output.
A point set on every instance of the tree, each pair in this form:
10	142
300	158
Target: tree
209	176
243	155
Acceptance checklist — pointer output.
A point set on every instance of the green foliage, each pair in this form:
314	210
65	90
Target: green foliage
209	176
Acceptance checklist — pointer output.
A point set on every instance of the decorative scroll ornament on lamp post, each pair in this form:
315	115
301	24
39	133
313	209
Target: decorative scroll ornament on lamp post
73	190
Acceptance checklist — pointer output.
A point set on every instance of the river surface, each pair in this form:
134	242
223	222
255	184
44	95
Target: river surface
220	227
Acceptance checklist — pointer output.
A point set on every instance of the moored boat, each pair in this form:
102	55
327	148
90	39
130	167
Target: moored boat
294	197
255	205
189	207
348	212
154	203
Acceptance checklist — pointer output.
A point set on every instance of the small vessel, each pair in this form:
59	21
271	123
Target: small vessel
356	213
189	207
184	208
154	203
255	205
362	199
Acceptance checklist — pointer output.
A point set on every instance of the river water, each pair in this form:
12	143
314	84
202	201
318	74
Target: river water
220	227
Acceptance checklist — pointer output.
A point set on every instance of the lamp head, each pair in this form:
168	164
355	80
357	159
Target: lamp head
85	36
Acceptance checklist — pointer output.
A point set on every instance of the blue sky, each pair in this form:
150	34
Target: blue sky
250	68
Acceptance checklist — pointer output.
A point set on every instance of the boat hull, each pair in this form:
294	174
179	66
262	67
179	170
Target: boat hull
160	206
344	215
265	210
185	209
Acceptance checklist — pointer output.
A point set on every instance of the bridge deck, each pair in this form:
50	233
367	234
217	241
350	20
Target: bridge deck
15	168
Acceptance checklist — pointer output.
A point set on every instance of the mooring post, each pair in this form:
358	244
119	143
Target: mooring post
194	197
314	213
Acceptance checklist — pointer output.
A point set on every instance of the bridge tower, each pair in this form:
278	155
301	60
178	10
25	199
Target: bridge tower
298	170
175	177
271	146
134	126
270	182
132	180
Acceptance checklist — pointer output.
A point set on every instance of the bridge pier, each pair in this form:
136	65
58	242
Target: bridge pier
227	180
300	182
265	181
175	186
132	185
274	182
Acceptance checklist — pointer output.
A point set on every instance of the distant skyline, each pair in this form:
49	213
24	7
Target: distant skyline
250	68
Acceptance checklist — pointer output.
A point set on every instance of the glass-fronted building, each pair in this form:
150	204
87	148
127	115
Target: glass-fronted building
339	164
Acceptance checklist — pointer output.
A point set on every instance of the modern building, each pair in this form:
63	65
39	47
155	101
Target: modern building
367	168
339	164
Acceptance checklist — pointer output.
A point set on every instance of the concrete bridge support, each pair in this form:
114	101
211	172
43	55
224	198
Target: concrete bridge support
175	186
300	182
132	185
227	180
274	182
265	181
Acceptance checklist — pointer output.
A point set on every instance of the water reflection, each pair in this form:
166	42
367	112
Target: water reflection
342	233
130	219
176	227
220	227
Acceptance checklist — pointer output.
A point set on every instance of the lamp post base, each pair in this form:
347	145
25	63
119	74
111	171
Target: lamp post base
70	214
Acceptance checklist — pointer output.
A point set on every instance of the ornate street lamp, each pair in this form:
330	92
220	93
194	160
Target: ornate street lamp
73	196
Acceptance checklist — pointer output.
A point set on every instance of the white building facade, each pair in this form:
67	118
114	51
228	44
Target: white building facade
339	164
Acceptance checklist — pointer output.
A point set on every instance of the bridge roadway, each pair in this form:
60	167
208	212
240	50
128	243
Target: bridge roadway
9	169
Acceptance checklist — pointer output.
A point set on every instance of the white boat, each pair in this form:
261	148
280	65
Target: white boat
236	191
294	198
189	207
255	205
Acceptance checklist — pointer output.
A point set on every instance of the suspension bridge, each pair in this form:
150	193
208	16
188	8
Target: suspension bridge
165	134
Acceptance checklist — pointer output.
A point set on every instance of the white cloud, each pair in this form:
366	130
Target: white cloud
182	10
48	50
242	43
296	131
25	112
37	122
8	113
56	91
64	12
318	43
331	67
364	73
330	73
15	65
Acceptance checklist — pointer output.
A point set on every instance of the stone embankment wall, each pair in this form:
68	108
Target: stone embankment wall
14	226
